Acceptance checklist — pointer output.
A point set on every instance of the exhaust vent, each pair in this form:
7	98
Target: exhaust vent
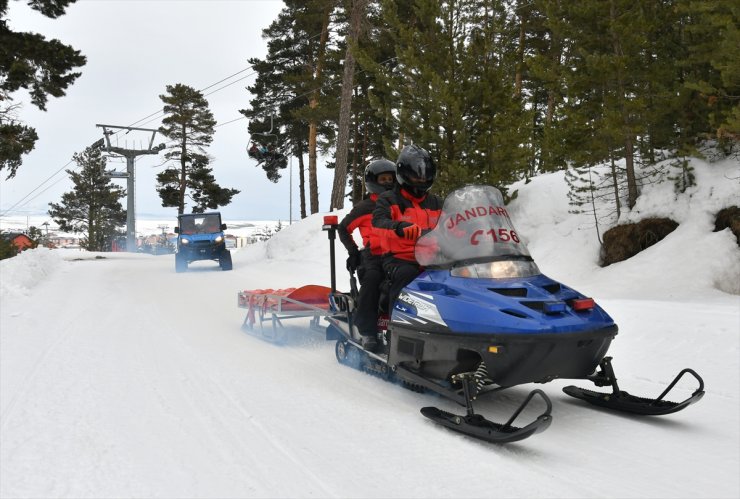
517	292
515	313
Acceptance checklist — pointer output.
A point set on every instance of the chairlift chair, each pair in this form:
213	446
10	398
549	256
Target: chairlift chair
264	150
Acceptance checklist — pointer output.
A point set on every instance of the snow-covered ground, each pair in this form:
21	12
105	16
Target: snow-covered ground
121	378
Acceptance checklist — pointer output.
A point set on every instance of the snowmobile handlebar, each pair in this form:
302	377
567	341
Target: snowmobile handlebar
331	222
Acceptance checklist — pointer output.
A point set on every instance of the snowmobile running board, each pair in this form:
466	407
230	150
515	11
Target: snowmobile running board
476	426
622	401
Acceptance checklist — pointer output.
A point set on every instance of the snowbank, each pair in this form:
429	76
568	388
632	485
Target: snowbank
691	262
20	274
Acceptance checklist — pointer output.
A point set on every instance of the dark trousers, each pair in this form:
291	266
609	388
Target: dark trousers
371	276
401	273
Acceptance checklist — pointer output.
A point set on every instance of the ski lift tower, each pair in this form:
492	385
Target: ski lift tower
130	155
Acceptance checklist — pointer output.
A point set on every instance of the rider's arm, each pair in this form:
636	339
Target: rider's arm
383	213
345	229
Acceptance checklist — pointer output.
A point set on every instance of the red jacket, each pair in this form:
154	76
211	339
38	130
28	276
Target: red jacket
360	217
397	206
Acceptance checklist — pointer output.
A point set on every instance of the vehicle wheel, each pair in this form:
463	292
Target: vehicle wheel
347	354
341	350
225	261
181	264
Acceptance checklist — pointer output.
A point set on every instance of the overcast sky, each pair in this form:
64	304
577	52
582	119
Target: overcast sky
134	49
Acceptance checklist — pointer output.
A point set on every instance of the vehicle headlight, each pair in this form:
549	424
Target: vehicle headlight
219	239
505	269
184	241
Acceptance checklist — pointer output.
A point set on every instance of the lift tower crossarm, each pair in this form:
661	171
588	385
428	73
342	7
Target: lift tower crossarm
130	155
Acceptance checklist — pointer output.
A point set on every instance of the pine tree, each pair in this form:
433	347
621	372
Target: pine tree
710	68
546	61
291	83
35	235
93	207
357	12
452	89
7	248
275	97
30	61
376	133
499	147
189	125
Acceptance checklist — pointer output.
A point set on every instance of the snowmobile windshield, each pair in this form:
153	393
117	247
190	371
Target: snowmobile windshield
475	237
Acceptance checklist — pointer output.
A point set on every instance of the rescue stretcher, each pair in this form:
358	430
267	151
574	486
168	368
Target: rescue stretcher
276	305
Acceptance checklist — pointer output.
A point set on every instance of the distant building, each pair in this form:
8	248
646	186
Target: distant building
64	241
19	240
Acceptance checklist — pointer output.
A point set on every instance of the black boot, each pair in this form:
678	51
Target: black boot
369	343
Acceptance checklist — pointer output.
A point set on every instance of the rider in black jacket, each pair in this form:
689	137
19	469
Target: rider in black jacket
380	175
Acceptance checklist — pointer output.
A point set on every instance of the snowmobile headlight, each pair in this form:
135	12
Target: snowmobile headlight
502	269
184	241
219	239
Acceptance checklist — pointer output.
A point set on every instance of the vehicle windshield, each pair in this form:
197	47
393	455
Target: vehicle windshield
200	224
475	231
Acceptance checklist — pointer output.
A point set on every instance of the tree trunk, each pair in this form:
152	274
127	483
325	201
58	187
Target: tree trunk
615	182
313	185
313	123
556	53
183	172
629	163
357	171
345	107
355	194
520	57
629	159
302	184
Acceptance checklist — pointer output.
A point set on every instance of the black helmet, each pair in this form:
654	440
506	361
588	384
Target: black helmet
375	168
415	170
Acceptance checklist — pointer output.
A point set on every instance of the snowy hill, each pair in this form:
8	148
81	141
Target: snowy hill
121	378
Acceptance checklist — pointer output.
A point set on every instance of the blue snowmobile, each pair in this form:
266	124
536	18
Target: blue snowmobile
482	318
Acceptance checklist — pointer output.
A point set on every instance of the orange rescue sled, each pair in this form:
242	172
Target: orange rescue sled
274	305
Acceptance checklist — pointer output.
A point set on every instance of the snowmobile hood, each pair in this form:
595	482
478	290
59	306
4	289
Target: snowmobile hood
440	302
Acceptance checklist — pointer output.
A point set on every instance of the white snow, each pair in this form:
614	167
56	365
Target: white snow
121	378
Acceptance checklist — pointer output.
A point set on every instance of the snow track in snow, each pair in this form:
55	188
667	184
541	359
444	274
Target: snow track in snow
121	378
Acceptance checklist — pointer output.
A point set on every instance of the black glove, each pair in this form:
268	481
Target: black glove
353	260
409	231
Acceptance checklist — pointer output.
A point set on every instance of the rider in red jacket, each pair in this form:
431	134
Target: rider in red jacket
403	214
380	176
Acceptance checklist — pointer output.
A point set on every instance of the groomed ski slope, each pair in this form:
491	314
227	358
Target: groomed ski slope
121	378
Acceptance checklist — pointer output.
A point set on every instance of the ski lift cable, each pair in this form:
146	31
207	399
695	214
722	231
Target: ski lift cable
9	210
213	85
328	84
34	190
155	115
139	121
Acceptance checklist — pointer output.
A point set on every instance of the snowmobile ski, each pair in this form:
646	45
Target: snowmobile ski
476	426
620	400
